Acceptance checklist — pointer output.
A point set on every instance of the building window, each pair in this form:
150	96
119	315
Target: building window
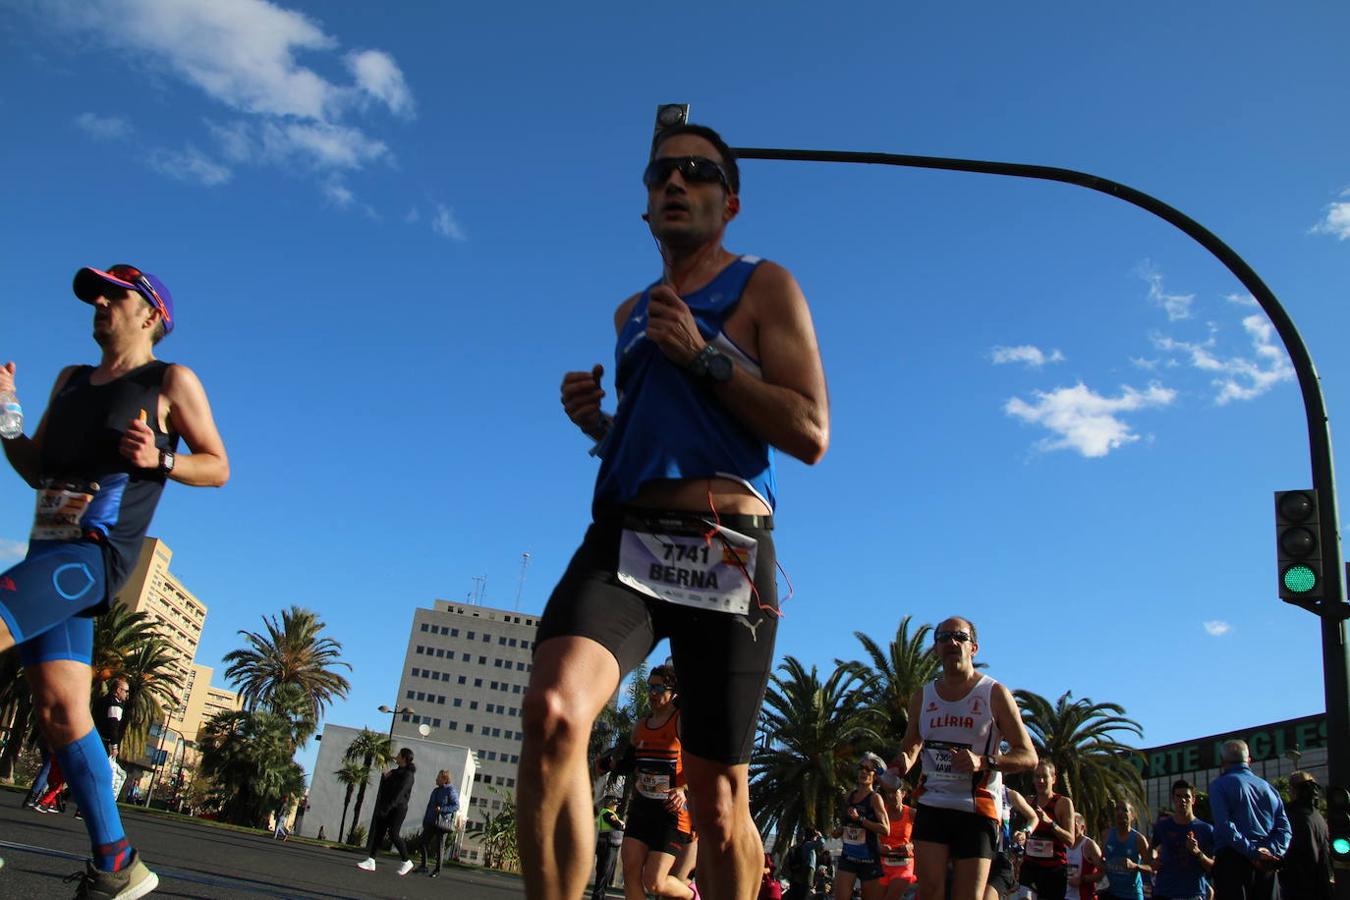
425	627
468	728
454	632
515	689
440	699
469	635
464	657
473	704
456	702
463	679
452	726
410	695
478	682
511	642
416	672
486	638
440	652
436	722
421	649
482	660
498	663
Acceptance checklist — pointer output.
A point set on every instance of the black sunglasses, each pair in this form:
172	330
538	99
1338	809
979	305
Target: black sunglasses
656	688
698	169
961	637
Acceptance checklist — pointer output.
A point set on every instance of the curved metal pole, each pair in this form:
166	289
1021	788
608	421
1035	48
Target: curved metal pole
1335	653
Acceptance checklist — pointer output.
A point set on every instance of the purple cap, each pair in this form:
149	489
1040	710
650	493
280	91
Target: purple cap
90	284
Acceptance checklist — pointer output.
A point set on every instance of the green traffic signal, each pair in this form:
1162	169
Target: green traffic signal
1299	579
1341	846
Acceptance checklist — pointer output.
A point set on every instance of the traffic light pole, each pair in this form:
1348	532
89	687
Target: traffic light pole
1335	651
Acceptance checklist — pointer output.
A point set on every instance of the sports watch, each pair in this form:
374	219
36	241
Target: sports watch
712	364
166	460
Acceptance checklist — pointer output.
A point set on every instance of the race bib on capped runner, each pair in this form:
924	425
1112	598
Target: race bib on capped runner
937	763
1040	848
59	511
653	786
855	834
714	572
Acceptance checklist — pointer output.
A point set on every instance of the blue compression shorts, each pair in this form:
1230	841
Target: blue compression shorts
42	597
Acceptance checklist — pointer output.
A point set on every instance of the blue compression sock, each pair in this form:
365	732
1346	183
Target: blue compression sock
87	771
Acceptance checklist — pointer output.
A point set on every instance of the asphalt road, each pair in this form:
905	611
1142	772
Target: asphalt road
197	861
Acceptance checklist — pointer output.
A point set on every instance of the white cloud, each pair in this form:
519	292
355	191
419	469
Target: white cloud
445	224
247	56
1237	377
189	164
1177	306
338	193
1336	220
1025	353
379	76
1217	627
107	128
1241	299
12	549
1084	420
412	215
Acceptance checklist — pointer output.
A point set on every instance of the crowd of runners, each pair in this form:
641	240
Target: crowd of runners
717	367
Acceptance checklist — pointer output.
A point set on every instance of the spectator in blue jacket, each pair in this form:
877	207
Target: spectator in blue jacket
1251	830
442	806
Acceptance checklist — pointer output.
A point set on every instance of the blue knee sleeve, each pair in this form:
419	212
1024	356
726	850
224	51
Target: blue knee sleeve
55	582
89	774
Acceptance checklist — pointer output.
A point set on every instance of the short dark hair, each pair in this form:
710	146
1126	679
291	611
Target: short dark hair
728	157
667	676
1181	784
406	753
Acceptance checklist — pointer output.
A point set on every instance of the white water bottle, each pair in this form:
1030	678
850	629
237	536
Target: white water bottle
11	416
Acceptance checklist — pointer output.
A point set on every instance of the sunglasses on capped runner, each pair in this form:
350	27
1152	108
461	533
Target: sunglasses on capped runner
696	169
961	637
656	688
133	275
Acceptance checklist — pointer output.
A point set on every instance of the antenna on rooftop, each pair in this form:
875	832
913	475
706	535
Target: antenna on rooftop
479	586
520	586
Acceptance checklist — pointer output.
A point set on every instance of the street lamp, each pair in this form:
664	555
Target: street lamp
394	714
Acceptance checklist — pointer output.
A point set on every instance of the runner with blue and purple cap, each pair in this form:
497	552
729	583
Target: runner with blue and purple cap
99	460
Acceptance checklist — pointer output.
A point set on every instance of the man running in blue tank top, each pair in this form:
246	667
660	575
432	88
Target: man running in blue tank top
717	365
99	459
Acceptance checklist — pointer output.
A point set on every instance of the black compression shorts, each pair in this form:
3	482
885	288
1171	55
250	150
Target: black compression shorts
722	660
650	823
967	835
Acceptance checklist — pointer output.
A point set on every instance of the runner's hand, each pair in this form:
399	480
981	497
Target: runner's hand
675	801
7	378
965	762
671	326
581	396
138	445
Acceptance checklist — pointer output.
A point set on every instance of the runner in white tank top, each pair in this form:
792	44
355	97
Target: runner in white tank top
955	727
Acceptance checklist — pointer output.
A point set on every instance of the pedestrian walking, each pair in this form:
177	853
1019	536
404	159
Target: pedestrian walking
391	807
438	821
1251	829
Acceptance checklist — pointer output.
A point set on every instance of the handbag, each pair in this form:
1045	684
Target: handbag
445	822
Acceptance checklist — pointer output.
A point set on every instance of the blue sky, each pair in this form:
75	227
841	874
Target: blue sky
390	230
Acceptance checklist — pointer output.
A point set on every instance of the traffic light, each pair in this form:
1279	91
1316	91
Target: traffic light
1299	547
1338	824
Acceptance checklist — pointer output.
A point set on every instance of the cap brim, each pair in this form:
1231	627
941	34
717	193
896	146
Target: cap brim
90	282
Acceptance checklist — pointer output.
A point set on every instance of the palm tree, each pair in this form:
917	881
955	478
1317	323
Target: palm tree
351	774
810	736
16	711
896	674
289	651
498	835
116	633
1079	736
375	752
613	728
152	686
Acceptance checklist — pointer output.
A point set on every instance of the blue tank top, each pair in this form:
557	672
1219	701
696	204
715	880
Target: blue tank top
1124	883
860	844
670	425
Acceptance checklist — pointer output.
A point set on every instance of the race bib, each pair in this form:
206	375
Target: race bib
59	511
653	786
1040	848
938	762
715	572
897	858
855	834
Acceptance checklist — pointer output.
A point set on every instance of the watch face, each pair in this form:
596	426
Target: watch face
719	368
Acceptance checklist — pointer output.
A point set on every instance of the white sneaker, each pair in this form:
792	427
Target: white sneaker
406	867
368	864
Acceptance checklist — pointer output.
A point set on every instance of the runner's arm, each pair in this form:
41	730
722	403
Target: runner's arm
1092	853
1141	844
1063	823
1023	808
790	407
25	453
883	823
1021	755
912	742
190	415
